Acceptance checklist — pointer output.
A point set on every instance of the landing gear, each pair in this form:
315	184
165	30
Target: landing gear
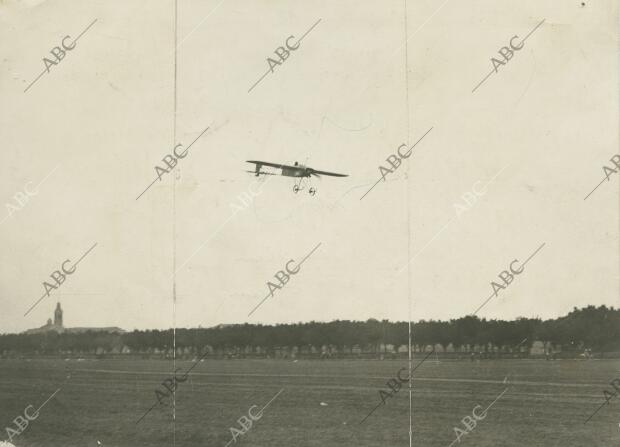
301	184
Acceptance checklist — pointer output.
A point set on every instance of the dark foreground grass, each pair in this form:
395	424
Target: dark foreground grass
322	403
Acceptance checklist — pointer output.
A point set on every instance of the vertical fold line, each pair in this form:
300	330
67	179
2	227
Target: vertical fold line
408	236
174	226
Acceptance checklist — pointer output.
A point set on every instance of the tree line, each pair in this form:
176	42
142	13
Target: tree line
594	328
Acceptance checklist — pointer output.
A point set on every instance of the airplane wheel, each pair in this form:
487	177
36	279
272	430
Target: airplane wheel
312	191
296	189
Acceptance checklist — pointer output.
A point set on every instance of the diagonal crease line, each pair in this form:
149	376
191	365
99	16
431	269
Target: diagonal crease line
308	32
268	403
495	176
410	378
34	305
48	399
158	177
84	32
371	188
74	41
197	26
595	188
492	403
234	213
532	32
37	187
371	412
211	237
534	254
494	70
270	70
522	266
155	404
496	399
411	148
84	255
207	241
36	79
447	223
423	360
483	304
196	362
272	399
46	294
427	244
419	28
481	82
147	412
46	177
309	254
521	342
596	411
261	78
147	188
298	266
201	134
258	305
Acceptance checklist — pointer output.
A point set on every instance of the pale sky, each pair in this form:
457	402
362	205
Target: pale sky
537	133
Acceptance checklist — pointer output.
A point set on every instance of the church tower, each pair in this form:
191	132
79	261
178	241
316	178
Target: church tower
58	316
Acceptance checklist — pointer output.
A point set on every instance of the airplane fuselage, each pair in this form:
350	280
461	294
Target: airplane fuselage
295	172
298	170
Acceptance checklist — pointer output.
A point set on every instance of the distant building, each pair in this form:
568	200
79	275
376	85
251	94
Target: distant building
57	326
58	316
538	348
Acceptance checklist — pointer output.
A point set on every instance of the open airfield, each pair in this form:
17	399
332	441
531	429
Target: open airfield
320	403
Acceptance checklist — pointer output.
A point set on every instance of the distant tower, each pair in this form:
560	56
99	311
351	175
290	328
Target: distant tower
58	316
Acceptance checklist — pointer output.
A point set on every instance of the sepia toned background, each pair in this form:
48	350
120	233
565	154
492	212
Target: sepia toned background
103	118
199	247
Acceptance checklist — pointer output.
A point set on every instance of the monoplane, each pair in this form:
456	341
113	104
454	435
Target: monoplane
303	173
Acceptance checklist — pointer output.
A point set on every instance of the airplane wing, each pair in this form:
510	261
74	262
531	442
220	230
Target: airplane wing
333	174
272	165
262	173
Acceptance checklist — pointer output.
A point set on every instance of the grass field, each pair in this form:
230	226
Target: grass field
546	403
